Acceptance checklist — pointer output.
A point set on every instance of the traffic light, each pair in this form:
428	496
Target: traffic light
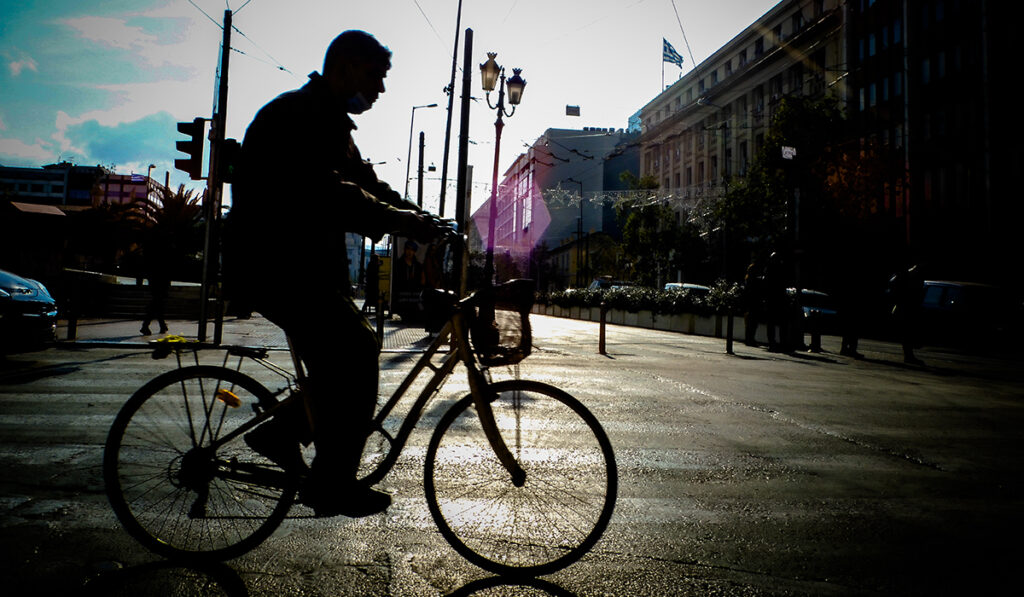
228	159
193	147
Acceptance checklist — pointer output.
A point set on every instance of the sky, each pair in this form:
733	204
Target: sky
105	81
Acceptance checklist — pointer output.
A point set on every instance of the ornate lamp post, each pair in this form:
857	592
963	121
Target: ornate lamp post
490	74
581	254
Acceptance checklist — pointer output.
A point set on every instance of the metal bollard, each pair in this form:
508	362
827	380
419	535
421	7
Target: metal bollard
728	333
604	318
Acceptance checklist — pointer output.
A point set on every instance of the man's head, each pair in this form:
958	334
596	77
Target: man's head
355	66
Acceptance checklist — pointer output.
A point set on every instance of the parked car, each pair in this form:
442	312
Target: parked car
28	314
958	312
818	309
607	282
697	289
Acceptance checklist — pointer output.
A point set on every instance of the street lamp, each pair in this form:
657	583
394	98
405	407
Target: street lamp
490	73
408	157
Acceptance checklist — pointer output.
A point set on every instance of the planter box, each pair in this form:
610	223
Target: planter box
704	325
680	322
686	323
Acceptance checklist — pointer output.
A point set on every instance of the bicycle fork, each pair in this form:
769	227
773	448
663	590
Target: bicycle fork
483	395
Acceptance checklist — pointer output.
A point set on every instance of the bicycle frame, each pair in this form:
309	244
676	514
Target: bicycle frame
456	330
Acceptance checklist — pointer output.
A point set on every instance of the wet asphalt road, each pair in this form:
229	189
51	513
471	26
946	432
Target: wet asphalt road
754	474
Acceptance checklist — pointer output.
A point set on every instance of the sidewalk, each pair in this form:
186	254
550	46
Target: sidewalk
255	331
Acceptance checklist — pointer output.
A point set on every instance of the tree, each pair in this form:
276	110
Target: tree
100	236
653	241
839	181
170	230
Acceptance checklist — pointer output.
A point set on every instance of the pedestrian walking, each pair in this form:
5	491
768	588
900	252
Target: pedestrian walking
753	304
776	304
907	290
158	272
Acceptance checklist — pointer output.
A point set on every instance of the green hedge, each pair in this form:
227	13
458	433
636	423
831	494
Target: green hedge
723	298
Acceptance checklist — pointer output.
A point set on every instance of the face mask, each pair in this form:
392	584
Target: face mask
357	104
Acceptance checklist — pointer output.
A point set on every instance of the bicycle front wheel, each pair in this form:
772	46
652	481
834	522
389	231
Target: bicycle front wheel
170	489
563	507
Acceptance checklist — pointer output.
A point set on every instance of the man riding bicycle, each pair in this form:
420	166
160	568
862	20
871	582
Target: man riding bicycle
300	187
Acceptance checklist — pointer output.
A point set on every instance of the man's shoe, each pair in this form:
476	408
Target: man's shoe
283	453
354	501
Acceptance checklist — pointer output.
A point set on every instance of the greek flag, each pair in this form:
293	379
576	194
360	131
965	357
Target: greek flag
669	54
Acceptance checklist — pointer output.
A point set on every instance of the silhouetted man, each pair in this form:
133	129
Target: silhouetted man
302	185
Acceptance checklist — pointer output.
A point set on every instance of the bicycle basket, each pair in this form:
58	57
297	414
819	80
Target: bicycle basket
500	331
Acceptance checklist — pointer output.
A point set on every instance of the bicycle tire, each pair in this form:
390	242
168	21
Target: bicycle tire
178	500
560	512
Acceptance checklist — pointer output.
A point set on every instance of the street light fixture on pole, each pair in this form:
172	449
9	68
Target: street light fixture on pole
490	74
408	157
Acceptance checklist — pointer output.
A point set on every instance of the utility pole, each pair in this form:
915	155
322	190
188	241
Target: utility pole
448	126
462	176
419	175
211	206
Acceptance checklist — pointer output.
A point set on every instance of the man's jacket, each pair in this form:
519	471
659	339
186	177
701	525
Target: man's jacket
300	186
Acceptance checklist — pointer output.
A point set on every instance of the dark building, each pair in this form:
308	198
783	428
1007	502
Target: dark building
929	79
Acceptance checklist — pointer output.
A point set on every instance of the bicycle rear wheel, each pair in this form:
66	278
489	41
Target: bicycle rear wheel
563	507
170	490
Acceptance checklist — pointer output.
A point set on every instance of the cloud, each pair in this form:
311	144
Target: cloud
110	32
16	64
143	140
17	152
161	43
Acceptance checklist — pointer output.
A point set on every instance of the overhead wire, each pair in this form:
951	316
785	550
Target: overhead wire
275	62
685	41
212	20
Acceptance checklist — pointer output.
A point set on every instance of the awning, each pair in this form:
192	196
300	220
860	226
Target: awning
35	208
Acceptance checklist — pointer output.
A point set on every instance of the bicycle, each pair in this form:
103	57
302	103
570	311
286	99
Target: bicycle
519	476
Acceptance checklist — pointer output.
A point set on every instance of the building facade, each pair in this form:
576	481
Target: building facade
925	80
74	188
706	127
928	78
34	231
539	209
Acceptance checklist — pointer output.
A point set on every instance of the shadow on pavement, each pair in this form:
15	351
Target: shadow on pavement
483	584
156	578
